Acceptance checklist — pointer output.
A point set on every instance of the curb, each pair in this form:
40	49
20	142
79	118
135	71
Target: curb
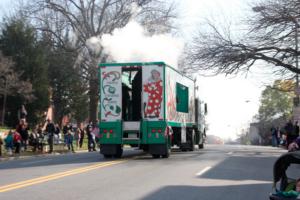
3	159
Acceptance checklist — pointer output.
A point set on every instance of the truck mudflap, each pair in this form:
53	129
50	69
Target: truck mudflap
158	150
162	150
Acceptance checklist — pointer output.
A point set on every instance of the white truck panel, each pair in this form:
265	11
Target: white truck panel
173	77
111	93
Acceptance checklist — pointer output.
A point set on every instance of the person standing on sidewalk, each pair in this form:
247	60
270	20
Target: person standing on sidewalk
65	130
50	130
81	135
295	133
9	142
70	138
25	136
77	137
17	142
274	136
289	128
91	142
41	138
57	132
22	128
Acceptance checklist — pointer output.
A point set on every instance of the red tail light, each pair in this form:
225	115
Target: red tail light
153	131
159	130
105	131
111	131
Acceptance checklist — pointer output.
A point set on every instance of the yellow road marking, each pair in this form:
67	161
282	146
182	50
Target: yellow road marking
42	179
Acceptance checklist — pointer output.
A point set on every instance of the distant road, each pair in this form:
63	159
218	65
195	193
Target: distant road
224	172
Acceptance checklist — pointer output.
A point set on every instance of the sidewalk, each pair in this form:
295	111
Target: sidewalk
30	154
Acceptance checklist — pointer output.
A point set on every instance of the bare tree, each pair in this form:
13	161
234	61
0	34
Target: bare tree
93	18
272	37
10	83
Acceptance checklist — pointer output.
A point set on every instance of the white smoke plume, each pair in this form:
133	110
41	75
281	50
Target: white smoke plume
132	44
94	44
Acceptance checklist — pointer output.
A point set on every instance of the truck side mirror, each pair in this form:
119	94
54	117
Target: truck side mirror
205	108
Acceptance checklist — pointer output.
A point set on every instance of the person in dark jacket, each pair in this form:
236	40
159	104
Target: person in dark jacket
295	132
50	130
274	137
69	140
81	136
289	128
56	136
22	128
34	140
65	130
91	142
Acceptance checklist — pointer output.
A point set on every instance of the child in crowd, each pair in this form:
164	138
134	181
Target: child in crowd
294	146
292	193
9	142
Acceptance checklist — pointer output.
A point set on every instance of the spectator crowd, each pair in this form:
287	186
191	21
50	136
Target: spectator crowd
18	140
287	136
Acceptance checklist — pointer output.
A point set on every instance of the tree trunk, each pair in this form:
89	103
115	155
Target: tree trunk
93	95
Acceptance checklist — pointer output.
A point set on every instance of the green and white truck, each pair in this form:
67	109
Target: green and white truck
148	105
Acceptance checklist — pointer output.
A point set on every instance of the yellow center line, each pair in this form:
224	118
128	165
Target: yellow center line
42	179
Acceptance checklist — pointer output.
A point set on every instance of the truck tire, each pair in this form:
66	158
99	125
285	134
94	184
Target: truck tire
167	152
192	141
144	147
192	148
183	148
119	152
107	156
155	156
166	155
201	146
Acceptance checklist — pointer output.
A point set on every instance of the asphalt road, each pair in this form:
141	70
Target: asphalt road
216	172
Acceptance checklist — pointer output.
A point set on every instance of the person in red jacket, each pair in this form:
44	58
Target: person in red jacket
17	141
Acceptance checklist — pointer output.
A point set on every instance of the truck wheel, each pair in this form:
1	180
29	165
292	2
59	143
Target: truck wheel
192	142
144	147
166	155
201	146
155	155
167	152
183	149
107	156
119	152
